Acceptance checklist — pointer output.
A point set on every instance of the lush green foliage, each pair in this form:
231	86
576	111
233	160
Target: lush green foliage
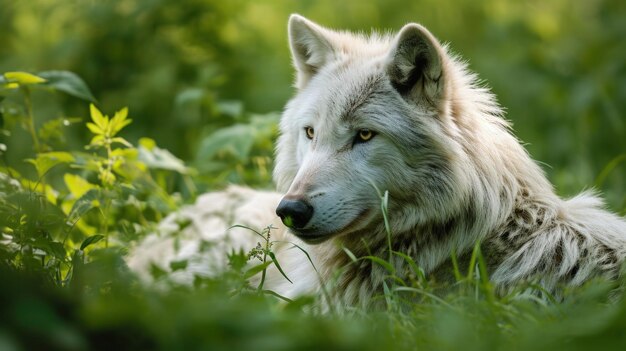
75	192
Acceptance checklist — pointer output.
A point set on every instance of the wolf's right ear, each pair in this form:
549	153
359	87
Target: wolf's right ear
415	65
311	47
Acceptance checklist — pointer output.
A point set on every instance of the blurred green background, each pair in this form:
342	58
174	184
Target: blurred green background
189	67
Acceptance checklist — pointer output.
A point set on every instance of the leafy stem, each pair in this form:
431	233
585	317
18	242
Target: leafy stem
105	130
266	251
105	221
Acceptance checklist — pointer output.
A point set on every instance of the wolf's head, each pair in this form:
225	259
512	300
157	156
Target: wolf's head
370	112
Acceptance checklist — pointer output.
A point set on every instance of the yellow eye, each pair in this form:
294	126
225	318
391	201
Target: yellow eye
310	132
365	135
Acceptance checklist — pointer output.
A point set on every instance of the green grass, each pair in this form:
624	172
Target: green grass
105	307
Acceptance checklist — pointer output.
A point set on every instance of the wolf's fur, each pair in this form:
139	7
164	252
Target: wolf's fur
454	173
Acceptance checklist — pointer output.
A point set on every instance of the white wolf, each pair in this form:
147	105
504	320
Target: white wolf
400	114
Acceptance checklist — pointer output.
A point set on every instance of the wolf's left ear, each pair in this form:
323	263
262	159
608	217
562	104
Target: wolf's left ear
311	47
415	65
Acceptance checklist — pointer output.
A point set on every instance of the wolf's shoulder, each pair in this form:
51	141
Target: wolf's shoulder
558	243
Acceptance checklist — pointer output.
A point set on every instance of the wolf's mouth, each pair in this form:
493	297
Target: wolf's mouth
314	236
310	237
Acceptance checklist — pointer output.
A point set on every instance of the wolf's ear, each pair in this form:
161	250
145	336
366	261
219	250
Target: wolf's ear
415	64
311	47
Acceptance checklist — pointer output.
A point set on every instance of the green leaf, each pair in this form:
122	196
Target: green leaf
236	140
119	121
107	177
98	140
51	248
45	161
77	185
256	269
94	128
23	78
58	250
35	213
86	202
101	121
122	141
156	158
68	82
91	240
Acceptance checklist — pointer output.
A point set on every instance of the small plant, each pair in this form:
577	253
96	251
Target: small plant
67	215
262	252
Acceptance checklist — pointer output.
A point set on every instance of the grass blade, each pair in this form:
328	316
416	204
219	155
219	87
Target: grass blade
381	262
280	269
350	254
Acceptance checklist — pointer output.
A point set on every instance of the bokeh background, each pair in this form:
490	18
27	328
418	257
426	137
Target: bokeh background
189	68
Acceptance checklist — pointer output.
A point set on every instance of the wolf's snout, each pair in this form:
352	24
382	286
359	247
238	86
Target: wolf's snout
294	213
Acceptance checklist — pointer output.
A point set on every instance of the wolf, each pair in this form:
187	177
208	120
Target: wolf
400	115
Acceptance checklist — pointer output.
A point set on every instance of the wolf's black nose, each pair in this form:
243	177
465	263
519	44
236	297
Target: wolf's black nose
294	213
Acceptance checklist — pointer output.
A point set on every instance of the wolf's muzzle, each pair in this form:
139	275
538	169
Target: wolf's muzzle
294	213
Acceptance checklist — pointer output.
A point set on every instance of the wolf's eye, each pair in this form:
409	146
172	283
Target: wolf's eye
364	135
310	132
